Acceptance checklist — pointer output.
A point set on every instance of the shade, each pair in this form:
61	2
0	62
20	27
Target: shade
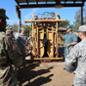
49	3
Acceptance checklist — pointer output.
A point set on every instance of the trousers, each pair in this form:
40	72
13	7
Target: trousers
8	77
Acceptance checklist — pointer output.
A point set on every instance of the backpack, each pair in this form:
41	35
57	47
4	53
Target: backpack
13	50
3	58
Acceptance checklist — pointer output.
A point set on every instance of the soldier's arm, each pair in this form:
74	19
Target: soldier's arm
71	60
75	40
73	43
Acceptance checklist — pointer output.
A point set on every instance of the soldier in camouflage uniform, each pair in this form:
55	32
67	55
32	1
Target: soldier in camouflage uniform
76	60
7	71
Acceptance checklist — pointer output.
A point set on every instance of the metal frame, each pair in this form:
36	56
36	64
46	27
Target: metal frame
22	4
54	31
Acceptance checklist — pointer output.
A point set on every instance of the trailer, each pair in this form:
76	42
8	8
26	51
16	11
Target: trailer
46	42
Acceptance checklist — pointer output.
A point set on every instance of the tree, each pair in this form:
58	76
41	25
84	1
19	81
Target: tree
77	22
15	27
65	24
27	29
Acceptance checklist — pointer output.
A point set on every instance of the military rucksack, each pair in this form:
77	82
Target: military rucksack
13	50
3	58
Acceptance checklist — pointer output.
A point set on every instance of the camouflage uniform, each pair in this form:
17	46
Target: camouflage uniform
7	77
7	72
76	60
77	56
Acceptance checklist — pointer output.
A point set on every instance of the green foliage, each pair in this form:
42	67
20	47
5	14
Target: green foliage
27	30
27	27
15	27
64	24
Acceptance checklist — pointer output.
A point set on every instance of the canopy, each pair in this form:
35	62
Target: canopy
21	4
49	3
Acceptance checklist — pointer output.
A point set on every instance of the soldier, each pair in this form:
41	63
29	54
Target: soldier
21	40
76	59
7	71
70	39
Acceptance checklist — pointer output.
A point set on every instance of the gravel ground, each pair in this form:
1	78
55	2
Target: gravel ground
46	74
60	77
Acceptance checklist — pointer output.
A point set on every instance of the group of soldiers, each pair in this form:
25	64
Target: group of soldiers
12	56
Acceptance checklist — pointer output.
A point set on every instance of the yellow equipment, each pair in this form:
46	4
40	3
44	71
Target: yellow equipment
45	38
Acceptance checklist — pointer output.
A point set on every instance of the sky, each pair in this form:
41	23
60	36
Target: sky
67	13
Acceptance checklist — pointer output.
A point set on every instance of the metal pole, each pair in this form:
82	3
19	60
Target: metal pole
81	15
20	23
19	16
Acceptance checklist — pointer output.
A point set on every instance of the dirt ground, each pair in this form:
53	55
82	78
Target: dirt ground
45	74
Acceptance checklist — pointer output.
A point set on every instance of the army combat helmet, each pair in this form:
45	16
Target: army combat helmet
82	28
3	18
